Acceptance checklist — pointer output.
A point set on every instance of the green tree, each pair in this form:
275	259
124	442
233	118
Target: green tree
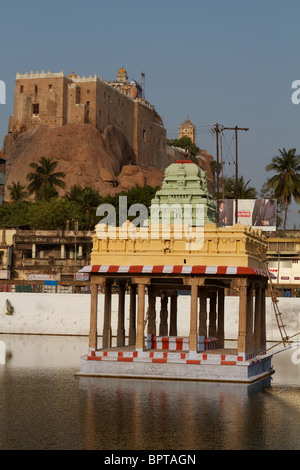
87	199
41	215
15	214
16	192
138	195
185	143
75	194
244	190
286	181
44	179
53	214
90	200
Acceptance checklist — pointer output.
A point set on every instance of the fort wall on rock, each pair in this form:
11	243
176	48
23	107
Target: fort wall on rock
54	100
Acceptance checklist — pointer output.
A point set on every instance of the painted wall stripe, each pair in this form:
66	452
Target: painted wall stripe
163	357
169	269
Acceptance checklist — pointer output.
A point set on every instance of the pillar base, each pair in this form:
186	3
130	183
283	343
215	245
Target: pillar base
188	366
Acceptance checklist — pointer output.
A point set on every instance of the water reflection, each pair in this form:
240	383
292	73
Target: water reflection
169	415
44	406
35	351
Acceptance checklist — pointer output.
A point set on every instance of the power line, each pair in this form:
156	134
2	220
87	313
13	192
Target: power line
229	150
219	128
236	129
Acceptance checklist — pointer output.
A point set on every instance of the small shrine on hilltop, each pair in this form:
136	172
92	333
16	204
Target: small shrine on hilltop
162	262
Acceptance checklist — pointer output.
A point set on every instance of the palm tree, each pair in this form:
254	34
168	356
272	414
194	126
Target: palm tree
16	192
44	180
244	190
286	183
75	194
88	200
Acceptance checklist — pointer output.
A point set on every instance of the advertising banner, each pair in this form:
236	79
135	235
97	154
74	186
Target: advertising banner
258	213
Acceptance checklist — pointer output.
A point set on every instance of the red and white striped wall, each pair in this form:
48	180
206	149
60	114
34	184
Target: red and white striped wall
174	343
175	357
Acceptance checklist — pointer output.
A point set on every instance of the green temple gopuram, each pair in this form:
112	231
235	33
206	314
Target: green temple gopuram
184	190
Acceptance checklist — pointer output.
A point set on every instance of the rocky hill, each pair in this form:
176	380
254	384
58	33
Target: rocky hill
87	157
104	161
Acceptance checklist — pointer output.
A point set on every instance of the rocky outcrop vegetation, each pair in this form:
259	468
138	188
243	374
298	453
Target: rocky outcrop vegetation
104	161
88	158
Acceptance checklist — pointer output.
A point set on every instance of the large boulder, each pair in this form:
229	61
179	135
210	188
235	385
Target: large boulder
83	154
133	176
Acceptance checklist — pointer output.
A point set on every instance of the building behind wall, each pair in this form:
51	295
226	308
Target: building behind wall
56	253
283	257
54	100
6	252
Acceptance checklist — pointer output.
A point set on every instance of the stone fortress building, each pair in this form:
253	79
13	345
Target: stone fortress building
54	100
103	134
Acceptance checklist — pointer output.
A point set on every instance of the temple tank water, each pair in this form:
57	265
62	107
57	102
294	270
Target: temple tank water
44	406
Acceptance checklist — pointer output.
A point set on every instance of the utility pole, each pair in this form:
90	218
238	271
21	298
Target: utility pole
236	129
222	165
216	128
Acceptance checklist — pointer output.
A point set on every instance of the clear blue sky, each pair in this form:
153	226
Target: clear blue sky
229	62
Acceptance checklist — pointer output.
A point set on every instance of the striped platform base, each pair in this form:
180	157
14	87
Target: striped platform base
175	365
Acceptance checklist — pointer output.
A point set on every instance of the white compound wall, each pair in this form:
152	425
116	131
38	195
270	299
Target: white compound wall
69	314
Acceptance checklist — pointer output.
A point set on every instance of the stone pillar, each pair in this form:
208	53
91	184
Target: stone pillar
140	317
212	329
203	312
132	315
33	252
221	303
121	315
193	319
151	312
249	320
93	318
263	320
173	315
107	316
163	326
242	318
62	252
257	318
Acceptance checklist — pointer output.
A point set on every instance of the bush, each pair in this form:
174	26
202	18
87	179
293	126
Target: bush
9	308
